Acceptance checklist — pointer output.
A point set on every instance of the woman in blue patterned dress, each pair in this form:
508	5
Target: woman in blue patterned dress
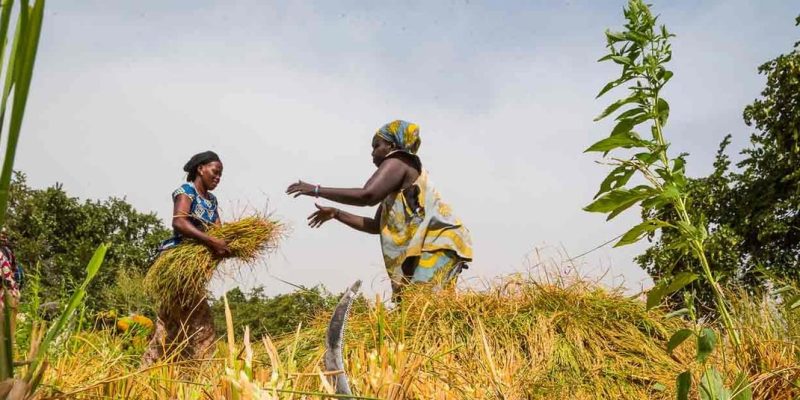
194	210
194	206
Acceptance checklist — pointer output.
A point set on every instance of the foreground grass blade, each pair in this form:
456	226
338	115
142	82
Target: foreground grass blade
6	335
72	305
29	29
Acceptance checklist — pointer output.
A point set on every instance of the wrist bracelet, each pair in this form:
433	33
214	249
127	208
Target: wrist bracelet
316	191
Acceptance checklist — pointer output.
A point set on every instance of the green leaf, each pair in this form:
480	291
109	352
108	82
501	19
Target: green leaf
678	338
615	199
712	387
94	264
705	344
623	128
638	231
680	244
645	193
616	105
654	202
605	57
72	304
662	110
742	390
5	18
691	232
655	294
612	84
679	165
632	113
683	384
6	339
637	37
22	59
664	174
680	281
614	37
613	142
622	60
616	179
647	158
665	77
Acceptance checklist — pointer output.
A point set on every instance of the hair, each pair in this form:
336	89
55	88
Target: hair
198	160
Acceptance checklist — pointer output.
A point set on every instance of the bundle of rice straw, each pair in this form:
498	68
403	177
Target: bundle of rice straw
181	274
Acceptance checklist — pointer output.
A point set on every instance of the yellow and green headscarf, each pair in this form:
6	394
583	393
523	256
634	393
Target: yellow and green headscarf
404	135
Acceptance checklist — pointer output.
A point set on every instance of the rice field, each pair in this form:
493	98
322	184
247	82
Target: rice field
518	339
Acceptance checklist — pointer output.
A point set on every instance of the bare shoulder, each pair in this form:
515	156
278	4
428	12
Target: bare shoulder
403	160
405	165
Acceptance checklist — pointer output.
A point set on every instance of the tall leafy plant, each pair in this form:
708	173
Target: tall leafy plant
642	50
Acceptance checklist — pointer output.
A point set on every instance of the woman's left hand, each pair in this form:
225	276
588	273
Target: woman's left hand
300	188
322	215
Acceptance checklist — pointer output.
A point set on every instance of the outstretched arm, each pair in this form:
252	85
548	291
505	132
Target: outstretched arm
357	222
387	179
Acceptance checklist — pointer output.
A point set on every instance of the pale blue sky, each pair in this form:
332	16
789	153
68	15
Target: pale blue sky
125	91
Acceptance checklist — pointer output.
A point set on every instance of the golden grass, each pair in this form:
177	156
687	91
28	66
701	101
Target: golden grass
181	274
518	340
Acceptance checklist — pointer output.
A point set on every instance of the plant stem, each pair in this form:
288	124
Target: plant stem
697	245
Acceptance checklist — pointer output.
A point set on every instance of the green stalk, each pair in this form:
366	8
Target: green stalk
699	250
698	247
6	336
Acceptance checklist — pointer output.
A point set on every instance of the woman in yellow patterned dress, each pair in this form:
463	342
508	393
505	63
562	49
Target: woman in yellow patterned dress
421	239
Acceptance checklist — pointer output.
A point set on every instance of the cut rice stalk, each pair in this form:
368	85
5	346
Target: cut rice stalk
181	274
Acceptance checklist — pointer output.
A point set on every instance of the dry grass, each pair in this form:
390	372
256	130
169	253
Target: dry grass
519	340
181	274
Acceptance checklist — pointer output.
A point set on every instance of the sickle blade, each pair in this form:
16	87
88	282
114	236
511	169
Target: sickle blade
333	340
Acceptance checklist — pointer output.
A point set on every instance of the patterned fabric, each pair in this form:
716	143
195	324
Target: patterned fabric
8	272
203	212
404	135
436	266
415	222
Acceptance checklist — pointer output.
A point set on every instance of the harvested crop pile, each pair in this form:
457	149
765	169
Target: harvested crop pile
181	274
517	340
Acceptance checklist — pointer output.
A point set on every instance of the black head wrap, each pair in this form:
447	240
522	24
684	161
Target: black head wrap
198	160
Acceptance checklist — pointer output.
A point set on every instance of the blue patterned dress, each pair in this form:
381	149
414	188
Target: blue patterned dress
202	213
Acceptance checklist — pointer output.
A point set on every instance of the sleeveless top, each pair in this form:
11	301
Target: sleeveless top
416	220
202	213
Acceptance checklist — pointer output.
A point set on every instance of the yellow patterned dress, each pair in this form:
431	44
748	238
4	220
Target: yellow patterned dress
419	230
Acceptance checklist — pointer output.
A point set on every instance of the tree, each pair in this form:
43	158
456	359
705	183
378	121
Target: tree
767	192
54	235
271	315
753	213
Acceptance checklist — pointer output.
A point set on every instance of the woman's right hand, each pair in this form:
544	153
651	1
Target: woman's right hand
218	247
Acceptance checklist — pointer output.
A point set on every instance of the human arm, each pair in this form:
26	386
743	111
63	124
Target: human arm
357	222
387	179
182	224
